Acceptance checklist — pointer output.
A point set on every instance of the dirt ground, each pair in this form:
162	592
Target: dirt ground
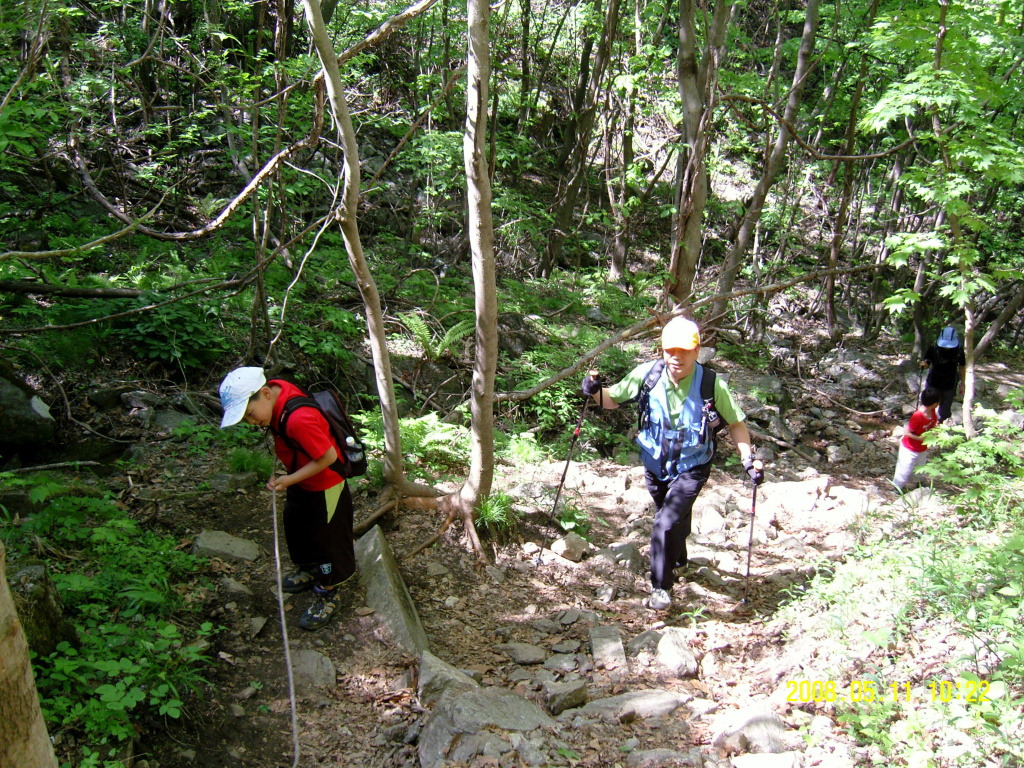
245	719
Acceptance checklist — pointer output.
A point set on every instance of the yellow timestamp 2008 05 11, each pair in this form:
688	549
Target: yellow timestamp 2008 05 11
805	691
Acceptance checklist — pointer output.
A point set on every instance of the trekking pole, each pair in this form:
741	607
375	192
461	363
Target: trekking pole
568	460
750	541
565	471
284	634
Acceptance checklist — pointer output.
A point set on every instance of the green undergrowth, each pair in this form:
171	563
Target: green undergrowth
132	597
921	628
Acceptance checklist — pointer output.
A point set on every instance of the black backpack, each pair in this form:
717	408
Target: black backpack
711	422
351	460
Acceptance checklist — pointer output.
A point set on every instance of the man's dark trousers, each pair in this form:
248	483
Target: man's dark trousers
673	500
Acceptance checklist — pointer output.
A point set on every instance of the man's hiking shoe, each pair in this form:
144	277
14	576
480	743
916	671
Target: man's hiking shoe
659	600
299	581
325	602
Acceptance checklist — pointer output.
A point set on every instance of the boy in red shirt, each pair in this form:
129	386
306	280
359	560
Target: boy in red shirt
912	449
318	505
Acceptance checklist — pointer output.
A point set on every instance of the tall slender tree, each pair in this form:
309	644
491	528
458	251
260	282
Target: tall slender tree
23	739
755	206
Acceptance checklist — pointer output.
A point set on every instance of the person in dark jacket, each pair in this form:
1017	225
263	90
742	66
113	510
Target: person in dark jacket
946	361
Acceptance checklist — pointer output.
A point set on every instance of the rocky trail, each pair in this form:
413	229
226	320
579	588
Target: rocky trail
548	655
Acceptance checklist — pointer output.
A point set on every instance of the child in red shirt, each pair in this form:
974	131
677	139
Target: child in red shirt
912	448
318	506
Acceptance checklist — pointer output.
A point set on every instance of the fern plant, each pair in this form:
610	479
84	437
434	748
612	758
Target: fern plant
421	332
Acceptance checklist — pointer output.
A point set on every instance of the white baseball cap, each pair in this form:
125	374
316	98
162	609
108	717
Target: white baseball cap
235	391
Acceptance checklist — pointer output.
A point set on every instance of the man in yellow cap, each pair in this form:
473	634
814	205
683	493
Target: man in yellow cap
678	416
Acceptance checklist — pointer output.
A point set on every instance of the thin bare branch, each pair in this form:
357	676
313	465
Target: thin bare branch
643	326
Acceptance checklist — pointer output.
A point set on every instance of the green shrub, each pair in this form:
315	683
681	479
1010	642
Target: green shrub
431	449
497	515
248	460
127	591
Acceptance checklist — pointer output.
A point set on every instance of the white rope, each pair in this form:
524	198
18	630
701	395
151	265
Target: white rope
284	632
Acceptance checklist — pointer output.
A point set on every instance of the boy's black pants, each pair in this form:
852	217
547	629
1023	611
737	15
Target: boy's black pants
319	541
673	500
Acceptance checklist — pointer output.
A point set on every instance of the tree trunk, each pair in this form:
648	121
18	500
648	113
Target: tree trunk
839	226
481	243
569	188
524	73
23	739
394	471
696	92
1005	316
968	411
749	221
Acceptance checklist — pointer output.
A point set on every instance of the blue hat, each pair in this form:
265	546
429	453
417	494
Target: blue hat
948	338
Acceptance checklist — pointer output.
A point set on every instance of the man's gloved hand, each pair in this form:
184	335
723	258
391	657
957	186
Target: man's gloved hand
591	384
755	470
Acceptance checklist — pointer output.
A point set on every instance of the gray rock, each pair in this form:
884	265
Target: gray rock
707	520
386	592
522	653
605	593
312	670
572	546
778	427
24	418
625	553
559	697
568	617
437	676
547	626
566	646
234	589
791	546
562	662
169	420
674	652
224	545
853	441
756	728
469	712
665	758
39	606
606	647
436	569
106	398
644	704
646	641
140	398
255	625
837	453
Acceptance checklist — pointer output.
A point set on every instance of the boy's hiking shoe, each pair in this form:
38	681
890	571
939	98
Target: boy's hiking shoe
325	602
659	600
299	581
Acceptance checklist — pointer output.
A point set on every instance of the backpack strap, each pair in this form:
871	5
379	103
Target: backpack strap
304	401
711	421
644	395
299	401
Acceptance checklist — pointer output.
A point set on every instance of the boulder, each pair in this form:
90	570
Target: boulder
39	606
24	418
